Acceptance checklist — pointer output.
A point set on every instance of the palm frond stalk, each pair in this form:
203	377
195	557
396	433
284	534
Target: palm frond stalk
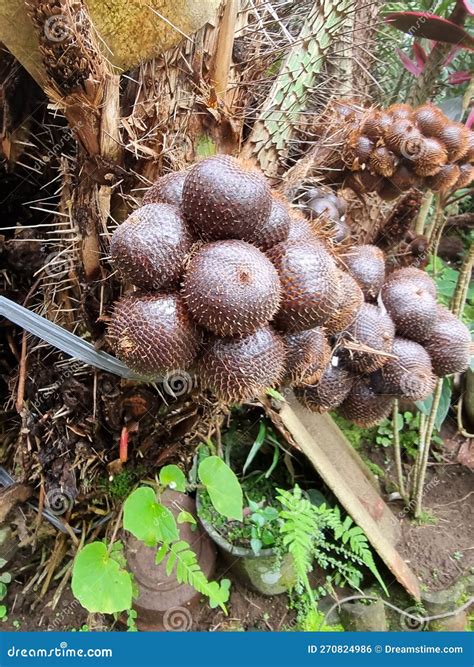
269	140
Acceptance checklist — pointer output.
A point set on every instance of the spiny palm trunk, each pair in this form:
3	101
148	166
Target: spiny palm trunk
269	140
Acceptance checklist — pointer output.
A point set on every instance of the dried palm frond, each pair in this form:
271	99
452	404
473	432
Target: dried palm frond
129	31
187	103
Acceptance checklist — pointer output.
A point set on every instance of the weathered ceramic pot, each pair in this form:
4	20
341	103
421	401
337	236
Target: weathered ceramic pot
163	603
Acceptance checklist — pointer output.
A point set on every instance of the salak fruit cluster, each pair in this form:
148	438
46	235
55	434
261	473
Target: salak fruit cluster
235	285
393	150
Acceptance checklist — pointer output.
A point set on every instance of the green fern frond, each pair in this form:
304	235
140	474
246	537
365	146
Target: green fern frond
299	529
357	547
305	530
182	558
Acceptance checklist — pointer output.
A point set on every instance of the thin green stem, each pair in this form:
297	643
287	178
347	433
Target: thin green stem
398	86
423	214
416	467
397	455
437	221
460	294
418	491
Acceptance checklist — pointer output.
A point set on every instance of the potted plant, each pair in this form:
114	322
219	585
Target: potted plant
269	530
102	578
246	525
251	544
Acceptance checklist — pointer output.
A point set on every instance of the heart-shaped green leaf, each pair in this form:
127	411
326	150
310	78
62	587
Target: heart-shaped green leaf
147	520
99	583
222	486
173	477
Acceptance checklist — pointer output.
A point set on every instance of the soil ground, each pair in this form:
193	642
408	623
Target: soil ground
442	552
247	611
439	548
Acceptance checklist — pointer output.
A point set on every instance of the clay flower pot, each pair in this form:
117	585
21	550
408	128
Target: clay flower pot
163	603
